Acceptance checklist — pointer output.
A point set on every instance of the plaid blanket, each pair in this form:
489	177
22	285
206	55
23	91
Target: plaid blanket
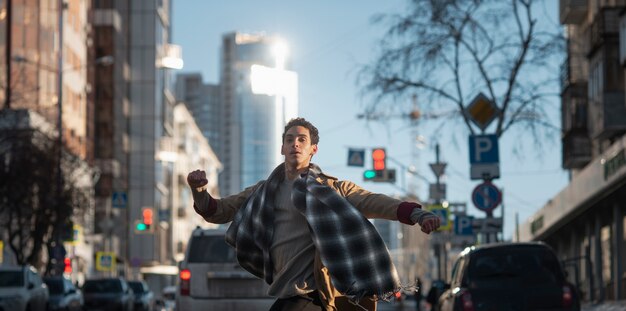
348	243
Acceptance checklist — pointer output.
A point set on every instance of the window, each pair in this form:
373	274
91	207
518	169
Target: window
210	249
11	279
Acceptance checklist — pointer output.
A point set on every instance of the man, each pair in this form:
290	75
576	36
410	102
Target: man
418	294
306	233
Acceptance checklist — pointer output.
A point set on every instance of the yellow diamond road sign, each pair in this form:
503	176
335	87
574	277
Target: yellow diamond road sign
482	111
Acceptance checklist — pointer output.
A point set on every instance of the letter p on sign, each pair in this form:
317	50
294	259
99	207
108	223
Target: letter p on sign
483	149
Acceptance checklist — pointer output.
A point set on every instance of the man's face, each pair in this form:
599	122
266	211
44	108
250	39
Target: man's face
297	147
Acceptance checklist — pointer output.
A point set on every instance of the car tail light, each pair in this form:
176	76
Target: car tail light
466	301
185	278
567	296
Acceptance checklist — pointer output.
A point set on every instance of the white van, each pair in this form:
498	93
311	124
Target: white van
211	279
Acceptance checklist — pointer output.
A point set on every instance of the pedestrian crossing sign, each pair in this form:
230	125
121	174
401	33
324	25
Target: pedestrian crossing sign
356	157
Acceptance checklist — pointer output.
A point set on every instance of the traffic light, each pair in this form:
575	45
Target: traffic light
379	158
67	265
369	175
146	214
145	224
379	173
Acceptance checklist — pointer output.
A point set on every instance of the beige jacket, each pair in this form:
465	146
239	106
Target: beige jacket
371	205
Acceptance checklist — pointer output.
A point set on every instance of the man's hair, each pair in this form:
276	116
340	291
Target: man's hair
315	137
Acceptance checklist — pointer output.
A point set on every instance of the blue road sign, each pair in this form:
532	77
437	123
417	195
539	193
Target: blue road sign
356	157
463	225
164	215
486	197
119	200
483	149
483	152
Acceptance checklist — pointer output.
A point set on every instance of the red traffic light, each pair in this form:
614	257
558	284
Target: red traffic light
67	265
379	157
147	216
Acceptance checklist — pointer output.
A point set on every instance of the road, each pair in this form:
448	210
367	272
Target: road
407	305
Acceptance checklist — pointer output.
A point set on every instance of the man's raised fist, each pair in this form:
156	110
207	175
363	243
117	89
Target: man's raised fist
197	179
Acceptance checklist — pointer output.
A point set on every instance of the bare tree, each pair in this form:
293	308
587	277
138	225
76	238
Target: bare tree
448	51
35	209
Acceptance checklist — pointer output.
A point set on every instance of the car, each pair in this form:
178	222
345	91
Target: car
63	294
211	279
509	276
21	288
168	301
144	297
437	287
108	294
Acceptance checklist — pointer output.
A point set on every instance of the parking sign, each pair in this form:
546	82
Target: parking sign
484	157
463	225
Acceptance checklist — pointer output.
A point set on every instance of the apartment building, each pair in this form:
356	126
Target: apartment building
585	221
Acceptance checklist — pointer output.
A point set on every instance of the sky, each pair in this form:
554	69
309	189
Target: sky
329	41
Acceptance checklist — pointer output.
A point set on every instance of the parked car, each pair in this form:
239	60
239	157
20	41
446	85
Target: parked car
168	301
144	297
21	288
63	294
211	279
509	276
437	287
108	294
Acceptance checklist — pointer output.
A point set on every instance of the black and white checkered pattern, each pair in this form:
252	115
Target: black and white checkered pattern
349	245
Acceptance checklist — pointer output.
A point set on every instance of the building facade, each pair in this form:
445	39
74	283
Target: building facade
258	97
109	129
585	222
203	102
193	152
151	129
44	74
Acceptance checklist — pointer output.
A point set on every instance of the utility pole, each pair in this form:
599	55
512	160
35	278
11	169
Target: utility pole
7	99
59	188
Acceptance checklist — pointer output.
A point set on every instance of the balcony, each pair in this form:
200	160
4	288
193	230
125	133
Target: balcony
576	150
605	25
572	11
573	71
576	140
607	115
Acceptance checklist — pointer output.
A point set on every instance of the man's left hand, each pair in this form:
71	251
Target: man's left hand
430	223
427	220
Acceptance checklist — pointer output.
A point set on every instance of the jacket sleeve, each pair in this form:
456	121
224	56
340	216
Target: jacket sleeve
371	205
220	211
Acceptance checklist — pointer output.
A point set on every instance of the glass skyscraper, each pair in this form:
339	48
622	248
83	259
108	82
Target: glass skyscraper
258	97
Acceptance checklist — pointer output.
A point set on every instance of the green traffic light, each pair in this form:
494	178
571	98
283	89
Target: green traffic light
141	226
369	174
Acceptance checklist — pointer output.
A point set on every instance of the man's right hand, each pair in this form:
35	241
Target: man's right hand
197	179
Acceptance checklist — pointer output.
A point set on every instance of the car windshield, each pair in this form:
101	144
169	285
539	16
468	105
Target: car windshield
11	279
102	286
169	296
55	286
537	264
136	286
210	249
